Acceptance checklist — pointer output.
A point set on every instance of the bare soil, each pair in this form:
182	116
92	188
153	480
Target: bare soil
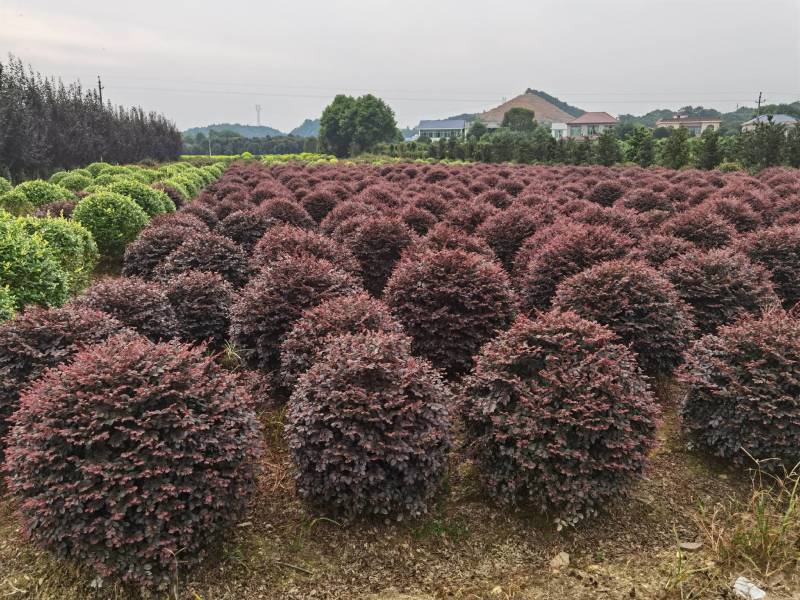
466	549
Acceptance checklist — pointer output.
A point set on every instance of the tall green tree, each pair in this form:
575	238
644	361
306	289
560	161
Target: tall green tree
709	153
352	125
477	130
640	147
764	146
608	150
336	125
675	151
791	148
519	119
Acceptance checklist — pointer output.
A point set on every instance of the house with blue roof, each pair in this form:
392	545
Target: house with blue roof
787	120
443	129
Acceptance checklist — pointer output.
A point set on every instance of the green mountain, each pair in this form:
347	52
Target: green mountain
248	131
309	128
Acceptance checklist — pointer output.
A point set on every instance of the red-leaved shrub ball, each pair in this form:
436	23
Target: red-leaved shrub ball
245	227
450	302
136	303
144	254
506	230
575	248
287	211
208	252
742	391
133	457
202	304
558	415
638	304
37	339
267	307
356	313
368	428
720	286
377	243
290	240
778	250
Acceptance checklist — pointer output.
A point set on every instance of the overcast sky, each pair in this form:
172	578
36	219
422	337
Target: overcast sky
204	61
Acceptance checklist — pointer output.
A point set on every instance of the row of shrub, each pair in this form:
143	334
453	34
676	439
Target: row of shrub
534	305
55	232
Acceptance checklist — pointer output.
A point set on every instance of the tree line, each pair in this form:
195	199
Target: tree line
46	125
229	142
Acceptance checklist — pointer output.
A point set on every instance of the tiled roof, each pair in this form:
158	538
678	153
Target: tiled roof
785	119
443	124
594	118
683	120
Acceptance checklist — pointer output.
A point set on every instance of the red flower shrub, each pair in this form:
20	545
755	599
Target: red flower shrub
136	303
778	250
144	254
208	252
701	226
202	303
287	211
367	428
506	230
319	203
450	302
377	243
450	237
291	240
638	304
742	390
720	286
558	414
357	313
245	227
265	310
133	456
38	339
576	247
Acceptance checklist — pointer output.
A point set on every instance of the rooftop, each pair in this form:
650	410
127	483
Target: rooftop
594	118
443	124
688	119
784	119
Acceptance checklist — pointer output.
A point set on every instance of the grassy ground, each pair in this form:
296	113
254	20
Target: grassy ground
466	549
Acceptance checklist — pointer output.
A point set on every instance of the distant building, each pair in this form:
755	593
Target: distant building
696	125
443	129
591	124
787	120
559	130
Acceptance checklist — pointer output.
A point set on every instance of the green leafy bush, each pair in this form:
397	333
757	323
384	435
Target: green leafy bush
114	221
7	304
75	182
29	267
16	203
5	185
40	192
153	202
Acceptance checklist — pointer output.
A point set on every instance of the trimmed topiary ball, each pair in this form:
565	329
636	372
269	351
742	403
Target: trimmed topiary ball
657	249
202	303
133	457
136	303
449	237
62	208
356	313
450	302
40	192
576	247
143	256
208	252
246	227
38	339
203	213
558	414
343	212
701	226
377	244
605	193
289	212
267	307
319	203
153	202
720	286
114	221
367	428
29	268
290	240
742	391
638	304
506	230
419	220
778	250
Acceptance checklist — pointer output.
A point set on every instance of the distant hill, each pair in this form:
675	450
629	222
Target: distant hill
309	128
248	131
544	110
567	108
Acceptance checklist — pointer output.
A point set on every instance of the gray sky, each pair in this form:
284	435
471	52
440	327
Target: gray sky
204	61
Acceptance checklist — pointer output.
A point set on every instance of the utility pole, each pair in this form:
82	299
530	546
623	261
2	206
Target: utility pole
100	89
258	114
209	141
760	100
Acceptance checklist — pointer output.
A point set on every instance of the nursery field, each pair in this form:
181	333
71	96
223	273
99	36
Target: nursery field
311	379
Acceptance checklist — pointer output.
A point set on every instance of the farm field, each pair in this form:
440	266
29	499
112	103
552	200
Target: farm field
331	380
